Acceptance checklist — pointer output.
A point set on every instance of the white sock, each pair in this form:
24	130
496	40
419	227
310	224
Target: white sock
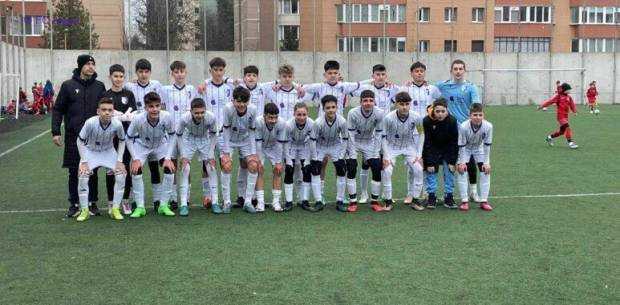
83	191
322	184
242	177
276	196
416	181
352	189
288	192
305	190
225	180
174	194
211	171
260	197
297	180
386	179
184	185
316	188
463	183
341	183
250	186
119	189
167	186
137	188
485	186
206	189
363	181
375	189
156	188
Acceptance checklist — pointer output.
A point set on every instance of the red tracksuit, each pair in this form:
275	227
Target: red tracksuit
564	105
591	94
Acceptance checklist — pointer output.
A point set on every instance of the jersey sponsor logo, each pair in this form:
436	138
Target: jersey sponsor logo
124	100
77	91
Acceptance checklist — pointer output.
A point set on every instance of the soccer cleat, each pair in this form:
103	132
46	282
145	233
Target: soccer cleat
138	212
277	207
206	202
319	206
84	215
549	140
596	111
260	207
93	209
216	209
591	111
408	200
389	205
486	206
572	145
239	203
165	210
305	205
173	205
449	203
473	193
352	207
73	211
184	210
340	206
288	206
226	208
363	197
464	206
156	205
249	208
126	207
375	206
431	201
417	205
115	213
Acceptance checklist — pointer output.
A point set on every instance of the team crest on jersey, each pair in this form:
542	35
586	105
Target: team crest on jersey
227	91
396	136
281	105
234	128
176	108
415	103
212	102
139	104
147	138
97	143
77	91
124	100
484	135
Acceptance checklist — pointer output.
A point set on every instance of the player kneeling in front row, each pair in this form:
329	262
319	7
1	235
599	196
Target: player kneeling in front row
401	132
96	147
475	138
271	142
149	138
197	133
365	124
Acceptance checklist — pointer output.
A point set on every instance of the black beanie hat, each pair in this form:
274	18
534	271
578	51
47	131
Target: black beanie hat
83	60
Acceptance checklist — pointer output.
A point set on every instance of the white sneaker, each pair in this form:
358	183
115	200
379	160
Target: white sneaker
277	207
473	193
572	145
126	207
260	207
363	198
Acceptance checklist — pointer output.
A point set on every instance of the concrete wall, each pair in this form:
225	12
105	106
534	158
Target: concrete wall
497	87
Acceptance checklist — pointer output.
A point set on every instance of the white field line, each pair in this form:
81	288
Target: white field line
10	150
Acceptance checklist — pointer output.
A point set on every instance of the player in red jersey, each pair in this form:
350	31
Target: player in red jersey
591	94
564	105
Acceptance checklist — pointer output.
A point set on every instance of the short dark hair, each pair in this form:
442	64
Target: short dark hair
177	65
217	62
143	64
457	62
151	97
250	69
241	94
367	94
476	107
331	65
402	97
116	68
286	69
106	100
379	67
271	108
300	105
440	102
565	87
328	99
198	103
416	65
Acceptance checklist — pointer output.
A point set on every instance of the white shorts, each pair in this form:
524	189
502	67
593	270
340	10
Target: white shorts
467	153
368	150
410	155
220	143
272	155
298	154
106	158
146	154
245	149
336	152
191	147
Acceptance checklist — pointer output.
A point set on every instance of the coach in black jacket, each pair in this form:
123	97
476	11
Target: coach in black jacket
441	135
77	101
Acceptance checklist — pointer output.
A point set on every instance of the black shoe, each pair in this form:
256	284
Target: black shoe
255	202
174	205
340	206
93	209
73	211
389	205
417	205
305	205
431	202
288	206
449	203
239	204
155	206
319	206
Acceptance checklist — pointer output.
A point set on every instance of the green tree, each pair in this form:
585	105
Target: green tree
71	26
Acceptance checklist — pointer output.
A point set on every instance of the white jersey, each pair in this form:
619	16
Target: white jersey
197	131
239	128
383	95
177	100
340	90
365	128
151	135
285	100
139	91
270	137
402	133
298	136
422	97
475	141
258	94
217	97
330	134
97	137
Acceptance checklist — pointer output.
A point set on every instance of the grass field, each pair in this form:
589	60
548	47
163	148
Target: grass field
529	250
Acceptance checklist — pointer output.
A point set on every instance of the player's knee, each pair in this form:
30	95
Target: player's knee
306	173
375	168
252	165
289	172
277	171
315	167
341	168
351	168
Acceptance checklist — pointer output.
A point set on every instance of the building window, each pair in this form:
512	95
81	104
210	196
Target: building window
595	45
574	15
424	14
357	12
449	14
424	46
34	25
522	44
477	45
340	12
288	36
595	15
402	13
365	13
575	45
374	13
449	46
525	14
384	11
477	14
371	44
288	7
